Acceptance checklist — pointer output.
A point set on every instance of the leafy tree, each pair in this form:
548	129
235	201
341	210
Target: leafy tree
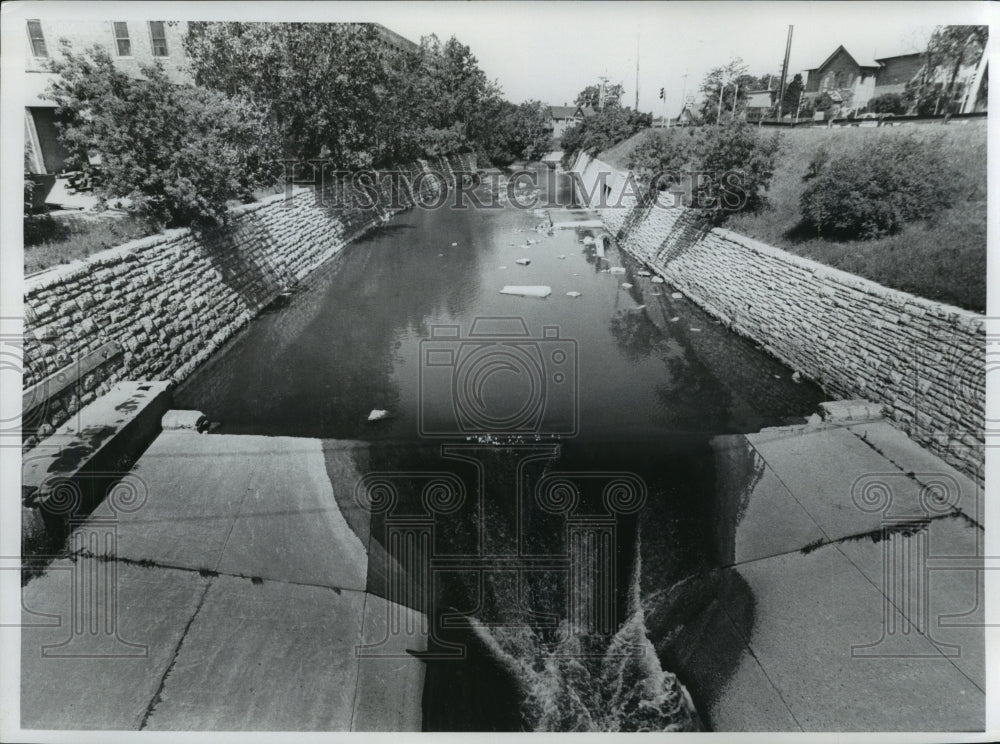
949	49
178	154
730	81
793	90
601	130
591	96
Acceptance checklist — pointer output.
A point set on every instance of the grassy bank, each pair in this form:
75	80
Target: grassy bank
943	258
49	241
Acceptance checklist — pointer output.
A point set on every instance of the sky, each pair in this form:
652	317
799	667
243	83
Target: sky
550	51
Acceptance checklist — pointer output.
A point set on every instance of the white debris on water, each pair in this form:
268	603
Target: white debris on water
454	244
573	294
626	285
588	240
677	295
617	270
796	376
530	290
675	318
657	280
643	272
523	261
378	414
696	330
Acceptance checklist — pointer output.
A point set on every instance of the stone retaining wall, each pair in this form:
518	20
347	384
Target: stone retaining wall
923	361
174	298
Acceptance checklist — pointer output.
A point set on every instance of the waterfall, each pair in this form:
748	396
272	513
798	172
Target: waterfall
576	682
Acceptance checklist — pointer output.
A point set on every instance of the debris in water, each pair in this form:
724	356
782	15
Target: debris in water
378	414
643	272
440	254
657	280
675	318
523	261
617	270
588	240
626	285
531	290
561	255
796	376
696	330
573	294
777	377
454	244
677	295
637	308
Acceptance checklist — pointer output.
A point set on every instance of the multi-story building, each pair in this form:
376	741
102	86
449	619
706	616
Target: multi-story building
852	82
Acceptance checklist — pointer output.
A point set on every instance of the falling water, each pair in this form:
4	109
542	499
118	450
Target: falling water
578	682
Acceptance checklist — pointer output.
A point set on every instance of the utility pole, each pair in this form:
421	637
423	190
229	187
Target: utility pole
637	71
601	92
784	73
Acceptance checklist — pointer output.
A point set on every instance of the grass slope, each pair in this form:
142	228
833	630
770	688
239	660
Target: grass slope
941	259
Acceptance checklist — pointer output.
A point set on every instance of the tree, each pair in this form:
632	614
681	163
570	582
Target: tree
725	81
793	90
336	91
591	96
949	49
178	154
601	130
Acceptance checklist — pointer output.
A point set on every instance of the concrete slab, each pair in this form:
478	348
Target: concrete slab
754	515
269	657
953	588
194	491
289	526
113	689
809	610
910	457
826	468
390	680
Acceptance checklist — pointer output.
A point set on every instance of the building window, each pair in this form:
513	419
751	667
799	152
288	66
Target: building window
158	35
122	42
37	39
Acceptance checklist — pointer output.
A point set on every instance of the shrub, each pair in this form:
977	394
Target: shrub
874	191
734	163
178	154
602	130
888	103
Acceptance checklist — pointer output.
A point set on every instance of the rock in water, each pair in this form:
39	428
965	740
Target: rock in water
523	261
378	414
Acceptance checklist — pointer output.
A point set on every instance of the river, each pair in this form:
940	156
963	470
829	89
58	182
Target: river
632	380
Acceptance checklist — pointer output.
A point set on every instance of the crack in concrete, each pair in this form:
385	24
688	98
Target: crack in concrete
157	696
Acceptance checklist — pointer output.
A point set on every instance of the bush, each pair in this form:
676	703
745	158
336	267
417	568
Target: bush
874	191
888	103
602	130
734	163
178	154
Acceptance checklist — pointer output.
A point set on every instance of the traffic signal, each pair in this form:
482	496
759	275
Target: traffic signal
663	94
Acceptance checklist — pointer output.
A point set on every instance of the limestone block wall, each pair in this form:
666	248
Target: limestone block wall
172	299
923	361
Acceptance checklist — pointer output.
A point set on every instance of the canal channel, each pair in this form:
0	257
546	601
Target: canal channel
635	382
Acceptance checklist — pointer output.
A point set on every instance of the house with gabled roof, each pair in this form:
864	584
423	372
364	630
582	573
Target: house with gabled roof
562	118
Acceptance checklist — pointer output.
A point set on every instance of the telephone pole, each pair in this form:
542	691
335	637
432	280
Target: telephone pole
637	71
784	72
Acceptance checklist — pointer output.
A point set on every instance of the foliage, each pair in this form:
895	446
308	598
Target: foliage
723	81
949	49
713	155
178	154
591	96
337	91
521	133
793	90
888	103
601	130
877	189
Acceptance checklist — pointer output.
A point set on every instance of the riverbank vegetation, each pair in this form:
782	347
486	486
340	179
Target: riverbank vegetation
904	206
264	94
